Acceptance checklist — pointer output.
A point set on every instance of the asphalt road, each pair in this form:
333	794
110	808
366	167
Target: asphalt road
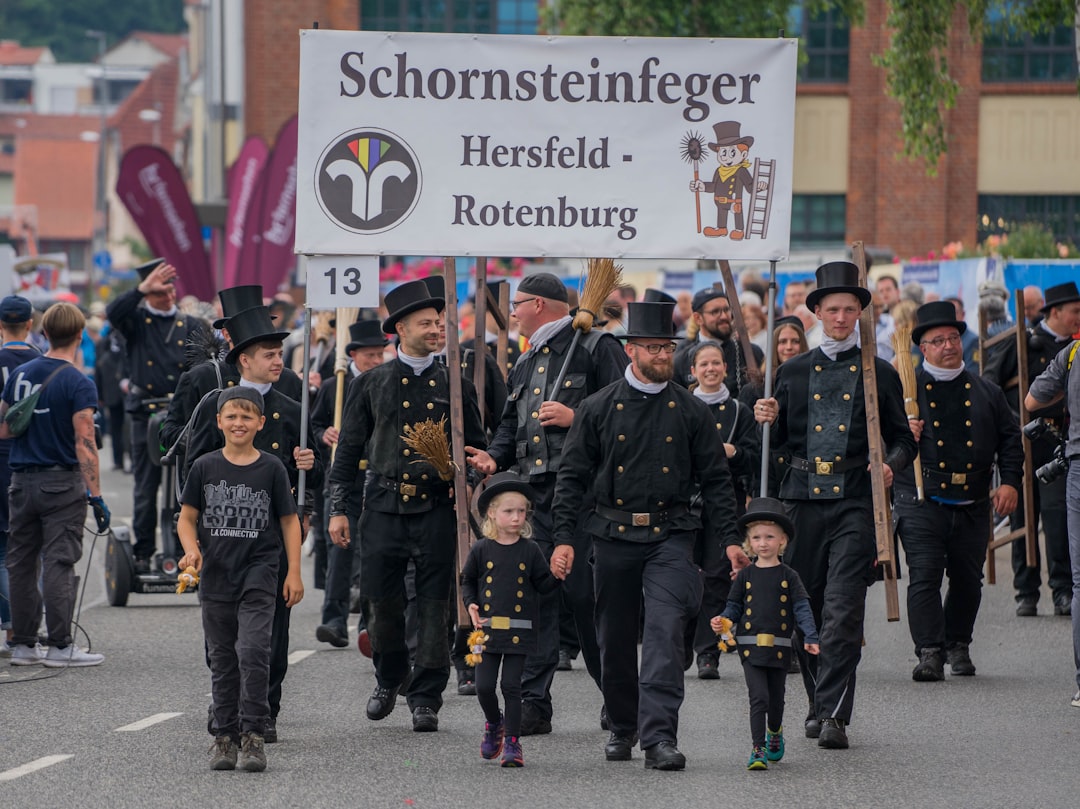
131	733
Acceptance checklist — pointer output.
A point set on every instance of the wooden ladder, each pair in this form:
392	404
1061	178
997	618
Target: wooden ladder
761	201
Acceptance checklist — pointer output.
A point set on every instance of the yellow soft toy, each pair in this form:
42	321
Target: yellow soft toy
189	578
727	639
476	641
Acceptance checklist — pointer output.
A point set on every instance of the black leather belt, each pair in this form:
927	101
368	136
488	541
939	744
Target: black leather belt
827	467
641	518
53	468
979	478
412	489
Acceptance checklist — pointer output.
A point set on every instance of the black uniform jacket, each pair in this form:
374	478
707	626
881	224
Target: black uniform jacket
967	426
642	453
378	407
735	425
802	416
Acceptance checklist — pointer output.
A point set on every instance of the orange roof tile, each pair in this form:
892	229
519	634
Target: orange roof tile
48	126
12	53
57	175
172	45
158	91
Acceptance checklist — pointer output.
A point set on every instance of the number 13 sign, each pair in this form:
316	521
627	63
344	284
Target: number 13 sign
343	281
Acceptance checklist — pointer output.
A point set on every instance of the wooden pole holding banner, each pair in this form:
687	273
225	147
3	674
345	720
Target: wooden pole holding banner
457	427
883	529
305	410
770	372
753	370
499	310
479	343
345	316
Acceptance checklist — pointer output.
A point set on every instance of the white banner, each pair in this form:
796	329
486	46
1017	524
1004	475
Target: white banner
445	144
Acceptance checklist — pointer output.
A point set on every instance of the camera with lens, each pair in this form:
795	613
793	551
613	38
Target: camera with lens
1059	464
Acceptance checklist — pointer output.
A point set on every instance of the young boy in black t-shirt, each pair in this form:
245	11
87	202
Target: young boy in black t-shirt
237	508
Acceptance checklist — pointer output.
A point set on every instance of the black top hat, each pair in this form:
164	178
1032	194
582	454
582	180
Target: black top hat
766	509
365	334
789	320
237	299
494	286
656	296
727	134
249	327
436	285
408	298
934	314
648	320
837	276
501	483
1060	294
145	269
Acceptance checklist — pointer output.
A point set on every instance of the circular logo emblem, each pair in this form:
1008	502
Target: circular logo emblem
369	180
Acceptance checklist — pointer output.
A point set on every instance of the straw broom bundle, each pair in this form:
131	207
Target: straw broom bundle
901	340
603	278
428	440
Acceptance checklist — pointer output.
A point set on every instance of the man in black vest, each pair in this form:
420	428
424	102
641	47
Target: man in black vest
818	409
966	427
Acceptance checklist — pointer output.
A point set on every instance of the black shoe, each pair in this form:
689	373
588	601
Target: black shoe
708	667
605	722
532	723
565	663
618	747
1026	607
466	682
1063	606
664	756
959	660
270	731
833	734
326	633
813	727
931	668
381	702
425	720
142	567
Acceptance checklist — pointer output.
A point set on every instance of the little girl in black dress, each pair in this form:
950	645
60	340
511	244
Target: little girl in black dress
500	581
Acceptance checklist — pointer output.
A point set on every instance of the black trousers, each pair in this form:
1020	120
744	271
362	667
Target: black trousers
1051	512
716	579
147	481
939	540
238	647
664	572
486	674
118	434
390	543
339	570
765	685
833	552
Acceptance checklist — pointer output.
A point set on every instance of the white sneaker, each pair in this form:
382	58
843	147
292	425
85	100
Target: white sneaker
71	656
27	655
1076	700
5	649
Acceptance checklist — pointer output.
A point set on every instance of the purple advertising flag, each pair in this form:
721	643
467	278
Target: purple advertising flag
267	254
153	191
243	184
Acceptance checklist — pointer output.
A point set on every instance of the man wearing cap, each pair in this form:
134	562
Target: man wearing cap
531	437
257	355
156	334
965	430
408	509
818	410
712	314
643	447
365	349
1045	340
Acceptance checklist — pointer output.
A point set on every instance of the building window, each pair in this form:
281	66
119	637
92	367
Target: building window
451	16
823	38
818	219
518	16
1011	55
1001	213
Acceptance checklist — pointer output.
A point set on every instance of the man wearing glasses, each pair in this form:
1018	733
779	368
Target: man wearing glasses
966	428
643	447
712	314
530	439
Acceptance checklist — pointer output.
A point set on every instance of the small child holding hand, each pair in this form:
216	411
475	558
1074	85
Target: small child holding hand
500	581
766	602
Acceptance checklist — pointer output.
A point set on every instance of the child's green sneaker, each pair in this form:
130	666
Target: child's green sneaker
774	744
758	760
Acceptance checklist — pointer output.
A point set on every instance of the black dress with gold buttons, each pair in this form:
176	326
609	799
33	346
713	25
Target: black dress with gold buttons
504	581
761	607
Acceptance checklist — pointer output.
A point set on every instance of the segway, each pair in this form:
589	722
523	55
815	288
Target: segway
121	578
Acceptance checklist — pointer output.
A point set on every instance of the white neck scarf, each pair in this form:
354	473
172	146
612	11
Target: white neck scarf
1059	337
716	397
943	374
263	388
418	364
651	388
170	312
834	348
546	332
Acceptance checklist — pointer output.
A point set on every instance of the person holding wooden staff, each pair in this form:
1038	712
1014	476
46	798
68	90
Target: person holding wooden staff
408	510
965	428
531	437
818	411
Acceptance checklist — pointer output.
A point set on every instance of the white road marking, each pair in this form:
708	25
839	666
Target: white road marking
154	719
33	766
296	657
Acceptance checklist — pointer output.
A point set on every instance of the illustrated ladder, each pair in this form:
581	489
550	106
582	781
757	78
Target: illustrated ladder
761	201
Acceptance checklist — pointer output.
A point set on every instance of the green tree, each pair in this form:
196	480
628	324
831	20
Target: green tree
915	63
